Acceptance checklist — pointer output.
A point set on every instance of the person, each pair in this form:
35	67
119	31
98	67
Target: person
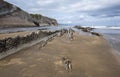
67	63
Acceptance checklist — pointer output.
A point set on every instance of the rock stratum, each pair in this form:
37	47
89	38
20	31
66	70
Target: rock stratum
13	16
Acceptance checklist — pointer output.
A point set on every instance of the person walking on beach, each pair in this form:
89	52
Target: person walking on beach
67	64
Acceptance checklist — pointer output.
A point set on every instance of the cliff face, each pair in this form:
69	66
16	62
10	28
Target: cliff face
43	20
12	16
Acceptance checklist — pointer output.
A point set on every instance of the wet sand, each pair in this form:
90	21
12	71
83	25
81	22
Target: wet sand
91	57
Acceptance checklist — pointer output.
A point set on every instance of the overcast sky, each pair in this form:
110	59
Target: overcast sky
84	12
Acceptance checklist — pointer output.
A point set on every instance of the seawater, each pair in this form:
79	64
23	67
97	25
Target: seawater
112	36
51	28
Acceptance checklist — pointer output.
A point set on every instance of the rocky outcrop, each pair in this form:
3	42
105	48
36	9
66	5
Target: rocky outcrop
43	20
89	30
12	45
85	29
9	43
13	16
96	34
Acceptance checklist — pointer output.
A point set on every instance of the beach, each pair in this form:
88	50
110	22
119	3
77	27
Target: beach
91	57
59	38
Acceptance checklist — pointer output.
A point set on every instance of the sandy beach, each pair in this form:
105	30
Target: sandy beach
91	57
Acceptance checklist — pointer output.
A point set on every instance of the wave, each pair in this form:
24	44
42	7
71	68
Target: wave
104	27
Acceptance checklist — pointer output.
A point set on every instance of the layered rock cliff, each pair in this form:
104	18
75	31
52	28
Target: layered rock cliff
13	16
43	20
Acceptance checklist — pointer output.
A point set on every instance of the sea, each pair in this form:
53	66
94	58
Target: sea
111	34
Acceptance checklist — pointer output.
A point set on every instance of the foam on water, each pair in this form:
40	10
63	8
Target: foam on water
104	27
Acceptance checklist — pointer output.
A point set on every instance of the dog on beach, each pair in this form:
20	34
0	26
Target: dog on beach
67	63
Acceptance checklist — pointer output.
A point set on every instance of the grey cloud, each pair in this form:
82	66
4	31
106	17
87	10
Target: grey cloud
106	12
76	11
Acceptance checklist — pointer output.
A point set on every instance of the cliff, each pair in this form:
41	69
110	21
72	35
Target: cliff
13	16
43	20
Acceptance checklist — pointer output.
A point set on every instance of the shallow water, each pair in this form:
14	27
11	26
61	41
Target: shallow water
112	36
51	28
81	32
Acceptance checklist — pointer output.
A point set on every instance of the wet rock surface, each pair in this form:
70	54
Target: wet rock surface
9	43
88	30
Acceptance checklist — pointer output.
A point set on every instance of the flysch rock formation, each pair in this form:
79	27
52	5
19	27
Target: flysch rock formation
43	20
13	16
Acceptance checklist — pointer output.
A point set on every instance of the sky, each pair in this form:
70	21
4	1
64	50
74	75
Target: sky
82	12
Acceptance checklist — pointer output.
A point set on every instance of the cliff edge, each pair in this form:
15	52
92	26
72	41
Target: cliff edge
13	16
